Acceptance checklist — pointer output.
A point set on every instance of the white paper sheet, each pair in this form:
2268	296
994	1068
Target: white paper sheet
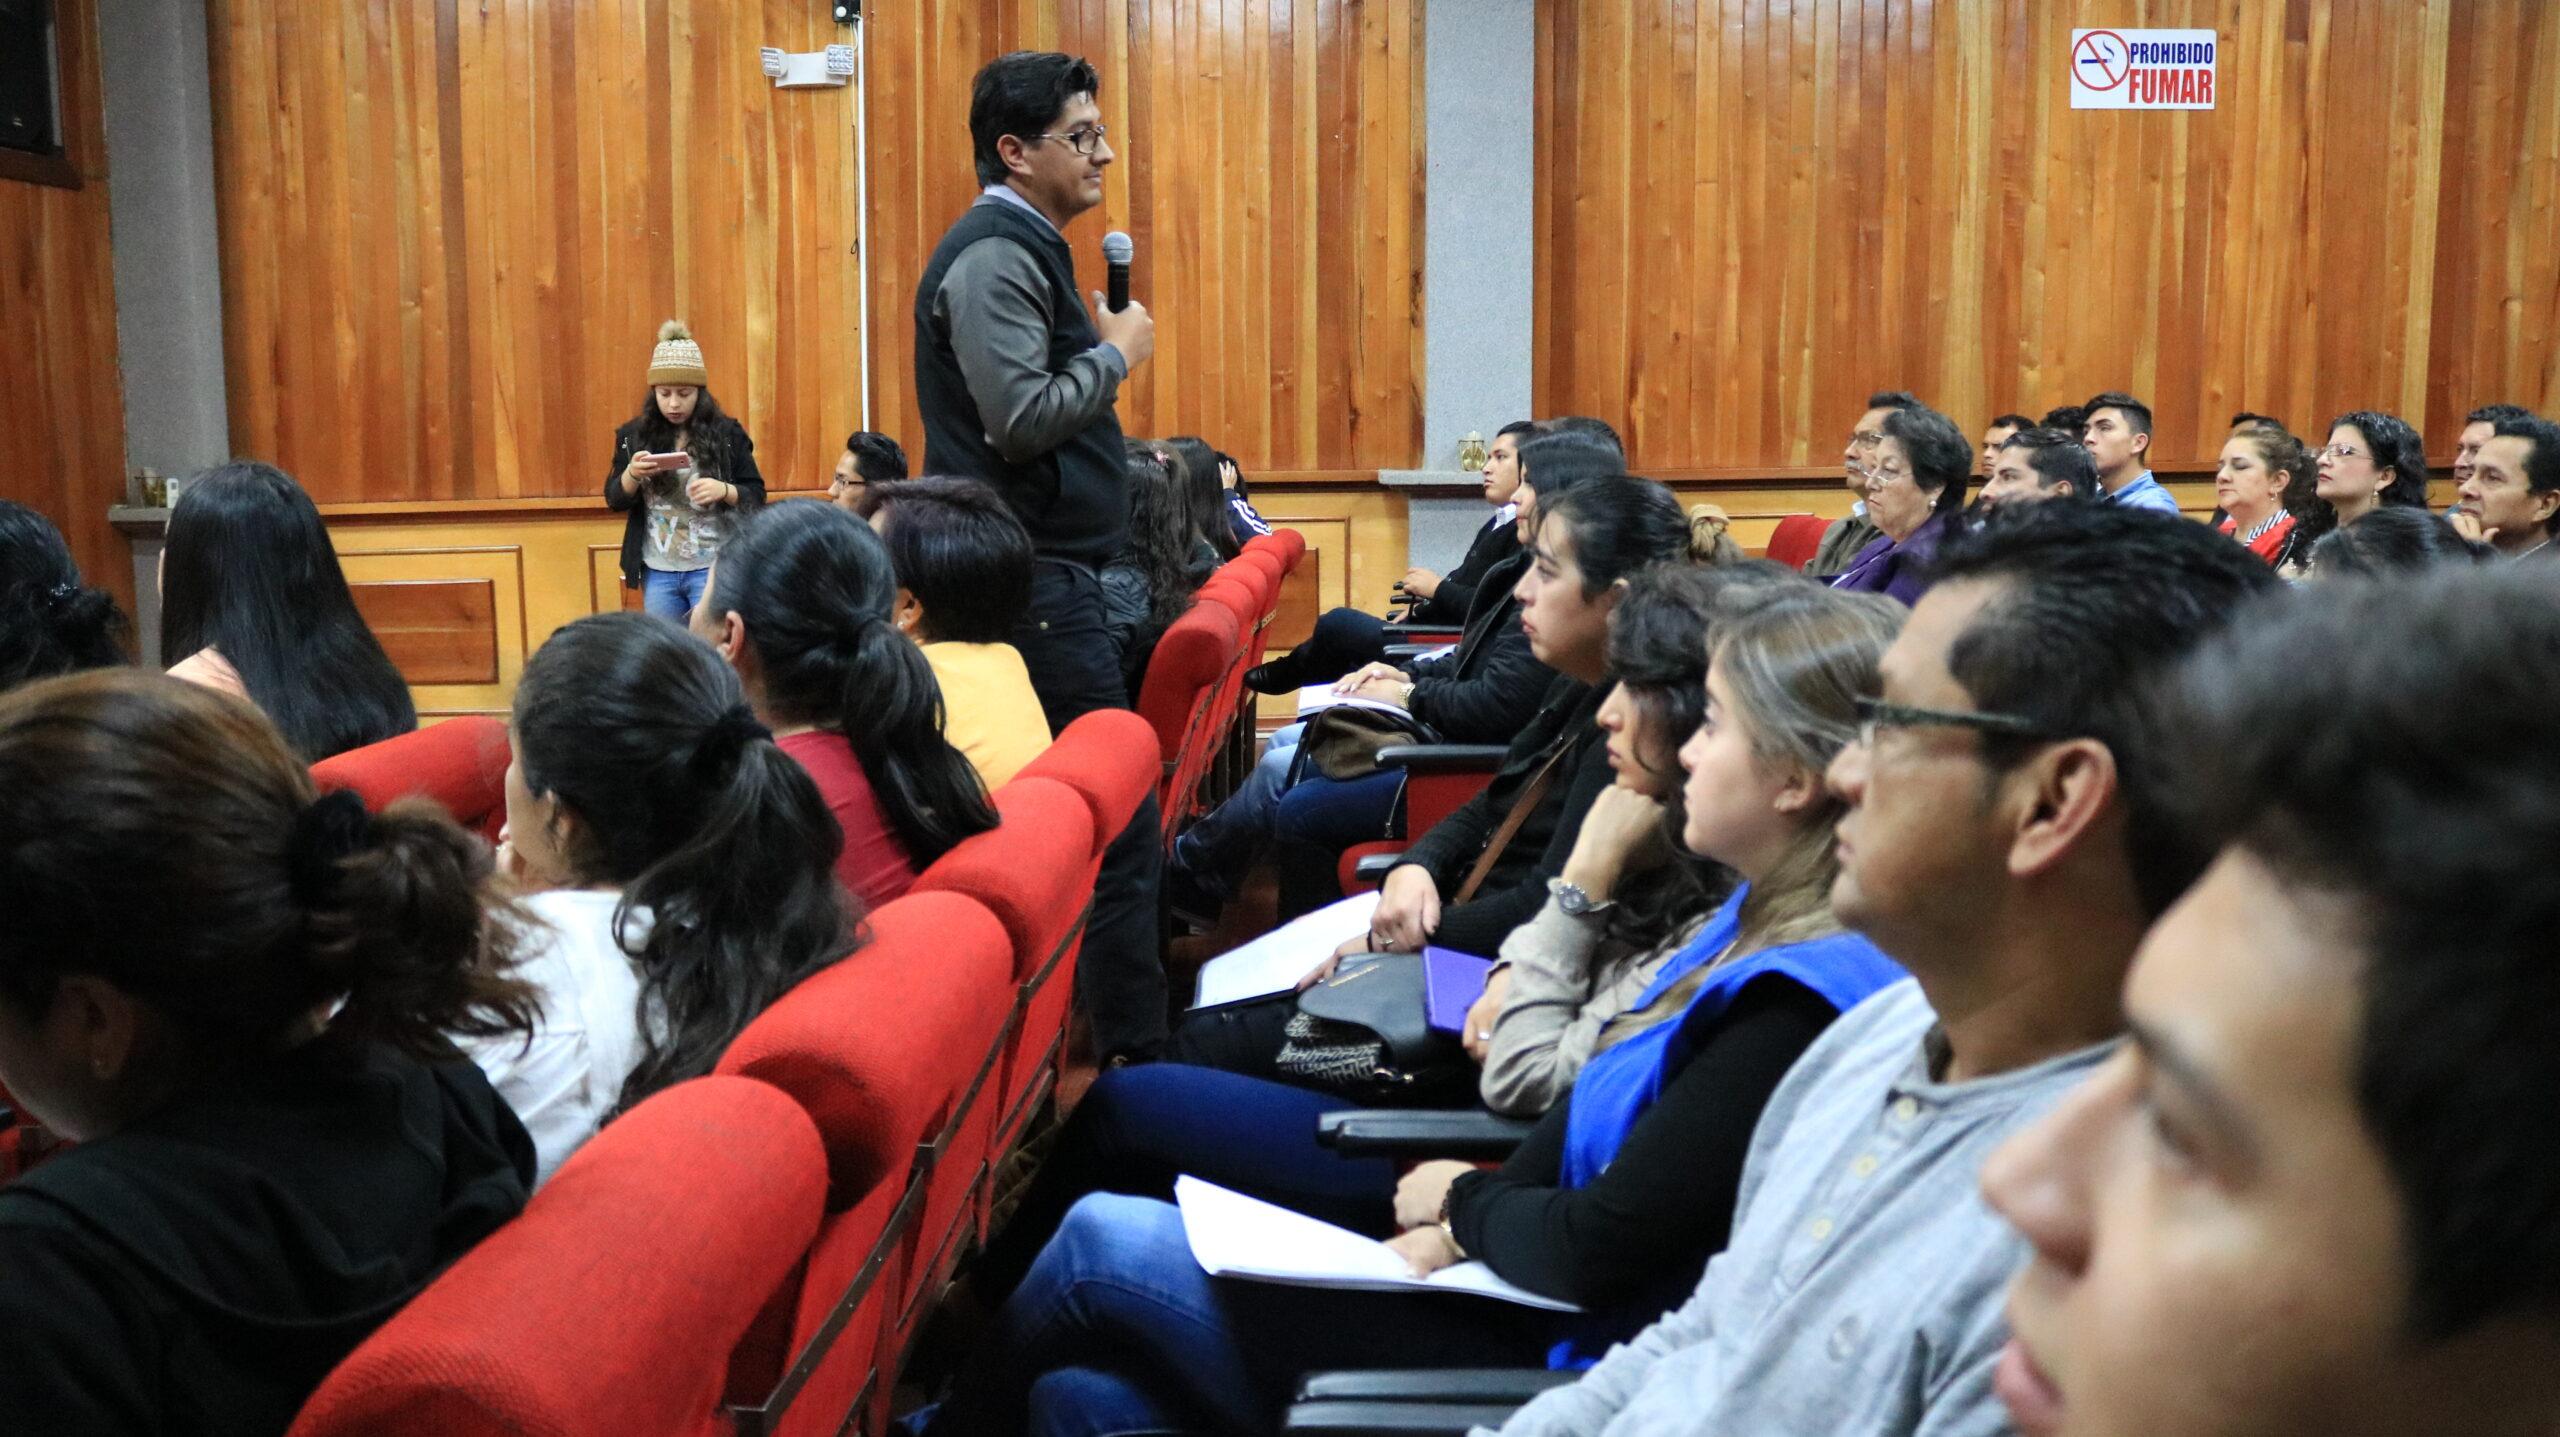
1237	1236
1315	698
1274	962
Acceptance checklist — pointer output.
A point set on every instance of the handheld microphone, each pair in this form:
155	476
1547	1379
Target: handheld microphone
1117	251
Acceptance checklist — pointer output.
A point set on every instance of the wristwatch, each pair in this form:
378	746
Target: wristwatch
1574	903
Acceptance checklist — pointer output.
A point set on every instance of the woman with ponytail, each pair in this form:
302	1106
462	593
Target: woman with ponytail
802	605
683	470
683	867
234	996
50	621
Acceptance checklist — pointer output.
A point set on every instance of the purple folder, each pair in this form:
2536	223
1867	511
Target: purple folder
1451	983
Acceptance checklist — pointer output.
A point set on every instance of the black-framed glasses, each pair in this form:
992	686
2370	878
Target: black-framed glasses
1082	139
1874	714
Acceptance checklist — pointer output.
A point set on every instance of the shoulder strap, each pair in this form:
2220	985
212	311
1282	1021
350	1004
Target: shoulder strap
1521	808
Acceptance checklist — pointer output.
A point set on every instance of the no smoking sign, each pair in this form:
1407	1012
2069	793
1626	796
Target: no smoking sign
2143	69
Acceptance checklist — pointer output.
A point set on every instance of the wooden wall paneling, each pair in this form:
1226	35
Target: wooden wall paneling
1751	214
57	307
459	606
437	631
449	233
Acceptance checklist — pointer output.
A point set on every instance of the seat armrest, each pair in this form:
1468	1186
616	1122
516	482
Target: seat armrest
1417	633
1375	867
1445	1384
1448	1133
1413	651
1394	1419
1442	757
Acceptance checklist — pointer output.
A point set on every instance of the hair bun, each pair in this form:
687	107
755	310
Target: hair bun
673	329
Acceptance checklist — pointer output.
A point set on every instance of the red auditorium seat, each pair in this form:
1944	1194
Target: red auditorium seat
1110	757
1035	872
1185	676
884	1051
607	1305
460	763
1796	539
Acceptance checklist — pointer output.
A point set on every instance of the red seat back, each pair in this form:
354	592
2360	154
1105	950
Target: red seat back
1110	756
460	763
1183	673
1797	537
607	1305
1026	870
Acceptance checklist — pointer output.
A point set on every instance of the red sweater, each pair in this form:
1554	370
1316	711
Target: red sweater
874	866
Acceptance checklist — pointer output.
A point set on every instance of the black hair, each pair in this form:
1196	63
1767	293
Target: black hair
2542	462
1659	636
1618	525
2059	459
684	801
1022	94
1941	457
2017	422
2093	600
2137	415
2254	420
2344	777
656	436
1893	399
1522	427
816	591
962	551
247	570
1552	462
2396	448
1199	476
1244	490
876	457
2404	542
1160	540
1584	424
51	621
165	839
2494	414
2069	418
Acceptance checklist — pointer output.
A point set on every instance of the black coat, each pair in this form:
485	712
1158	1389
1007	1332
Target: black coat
1455	599
1493	684
721	451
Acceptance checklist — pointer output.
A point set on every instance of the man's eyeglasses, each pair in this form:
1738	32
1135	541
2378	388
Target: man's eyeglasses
1082	139
1874	714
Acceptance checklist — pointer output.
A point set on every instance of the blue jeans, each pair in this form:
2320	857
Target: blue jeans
1219	846
673	593
1117	1331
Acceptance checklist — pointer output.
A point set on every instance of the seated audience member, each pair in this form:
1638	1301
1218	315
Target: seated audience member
1847	537
232	995
1615	1201
2314	1193
869	459
252	602
1221	513
2000	431
2478	428
2035	464
1711	540
1482	690
1588	427
2250	484
2511	499
1448	598
963	566
2118	434
1150	583
1593	539
2397	539
2371	460
2248	419
51	621
1916	490
1347	639
2071	419
801	604
2006	841
642	788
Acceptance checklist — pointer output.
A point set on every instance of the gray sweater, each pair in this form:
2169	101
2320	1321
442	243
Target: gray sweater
1565	988
1861	1293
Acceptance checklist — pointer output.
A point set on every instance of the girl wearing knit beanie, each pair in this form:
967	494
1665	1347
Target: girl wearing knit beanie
683	470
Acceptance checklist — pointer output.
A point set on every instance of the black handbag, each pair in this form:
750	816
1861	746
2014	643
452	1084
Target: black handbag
1365	1032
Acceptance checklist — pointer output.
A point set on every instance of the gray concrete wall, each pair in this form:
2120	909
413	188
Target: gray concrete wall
168	264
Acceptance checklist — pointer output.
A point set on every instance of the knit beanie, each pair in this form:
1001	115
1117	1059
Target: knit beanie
677	359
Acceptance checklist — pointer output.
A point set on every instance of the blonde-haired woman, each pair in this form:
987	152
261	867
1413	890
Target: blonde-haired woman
683	470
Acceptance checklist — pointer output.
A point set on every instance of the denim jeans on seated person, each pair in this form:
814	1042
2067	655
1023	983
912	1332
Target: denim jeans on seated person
672	593
1117	1331
1220	846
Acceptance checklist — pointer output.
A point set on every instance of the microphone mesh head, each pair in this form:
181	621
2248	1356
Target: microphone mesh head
1117	247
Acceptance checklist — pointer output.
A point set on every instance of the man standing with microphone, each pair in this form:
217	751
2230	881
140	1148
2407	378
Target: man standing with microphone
1016	379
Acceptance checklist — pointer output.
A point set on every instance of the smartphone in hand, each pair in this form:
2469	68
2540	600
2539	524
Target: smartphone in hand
668	463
